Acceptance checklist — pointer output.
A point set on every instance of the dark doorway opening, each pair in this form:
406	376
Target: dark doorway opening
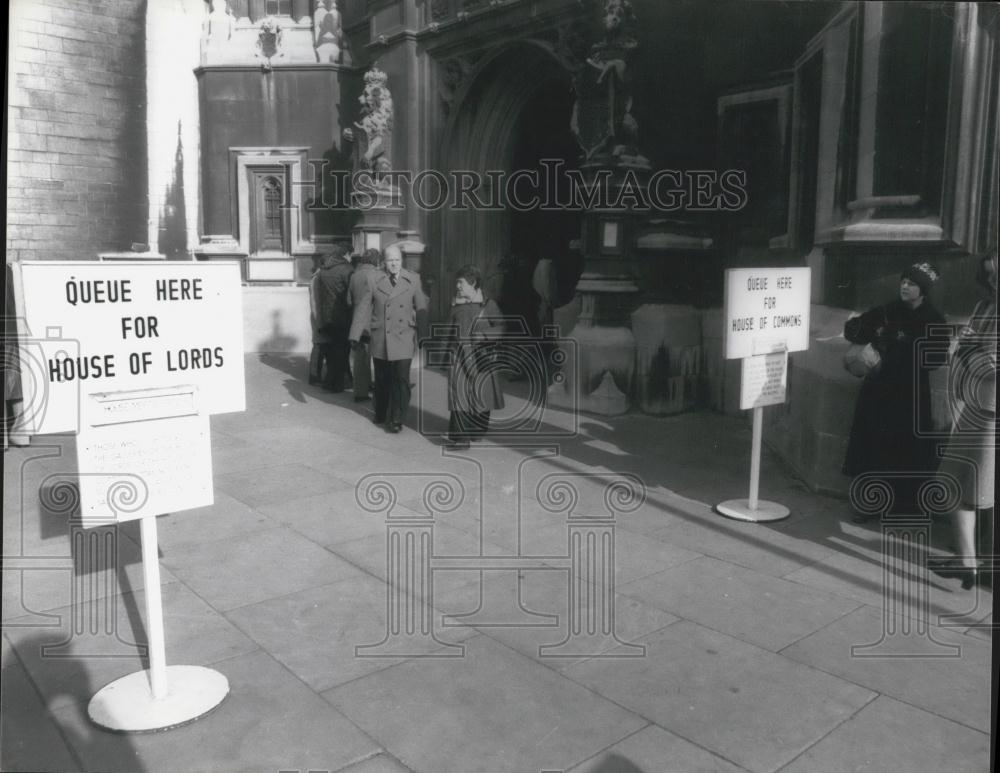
544	145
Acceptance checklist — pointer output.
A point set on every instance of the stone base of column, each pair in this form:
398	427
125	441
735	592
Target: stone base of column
668	358
379	224
598	371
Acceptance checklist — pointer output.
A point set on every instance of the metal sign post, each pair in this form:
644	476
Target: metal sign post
162	697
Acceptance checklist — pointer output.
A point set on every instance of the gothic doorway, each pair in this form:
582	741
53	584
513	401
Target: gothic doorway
513	112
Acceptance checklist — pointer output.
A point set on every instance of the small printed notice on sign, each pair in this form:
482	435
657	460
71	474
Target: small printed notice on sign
765	379
130	471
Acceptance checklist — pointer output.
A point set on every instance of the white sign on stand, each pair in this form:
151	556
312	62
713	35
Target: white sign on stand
110	327
141	454
766	317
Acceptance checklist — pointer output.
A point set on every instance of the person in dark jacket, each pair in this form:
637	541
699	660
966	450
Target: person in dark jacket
473	383
894	404
394	310
365	274
333	315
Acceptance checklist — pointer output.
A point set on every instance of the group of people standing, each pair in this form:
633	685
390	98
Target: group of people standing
368	310
892	437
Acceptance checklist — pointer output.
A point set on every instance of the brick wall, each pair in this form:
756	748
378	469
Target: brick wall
76	154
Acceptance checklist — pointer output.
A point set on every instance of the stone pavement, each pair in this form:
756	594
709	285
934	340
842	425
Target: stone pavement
796	646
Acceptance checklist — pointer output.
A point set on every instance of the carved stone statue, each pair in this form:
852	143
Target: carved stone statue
328	32
374	140
602	117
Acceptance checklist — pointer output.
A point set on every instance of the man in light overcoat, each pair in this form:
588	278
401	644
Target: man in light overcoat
393	309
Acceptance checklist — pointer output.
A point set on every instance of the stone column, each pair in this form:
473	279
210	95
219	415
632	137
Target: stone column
173	41
600	358
600	355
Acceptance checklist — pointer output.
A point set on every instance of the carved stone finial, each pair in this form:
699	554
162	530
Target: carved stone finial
328	32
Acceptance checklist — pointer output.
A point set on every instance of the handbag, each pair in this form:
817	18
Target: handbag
863	360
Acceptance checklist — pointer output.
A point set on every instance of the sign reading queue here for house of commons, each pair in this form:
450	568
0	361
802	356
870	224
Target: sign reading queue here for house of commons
766	311
108	327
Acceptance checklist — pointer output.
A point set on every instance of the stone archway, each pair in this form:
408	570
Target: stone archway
482	135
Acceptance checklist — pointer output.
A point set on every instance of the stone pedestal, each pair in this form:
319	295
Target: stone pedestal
668	358
381	217
600	351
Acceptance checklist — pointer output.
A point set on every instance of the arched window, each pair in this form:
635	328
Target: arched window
269	226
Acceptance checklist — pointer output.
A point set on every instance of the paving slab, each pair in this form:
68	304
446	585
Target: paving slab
939	670
54	582
226	519
746	544
755	607
862	572
381	763
746	704
890	735
654	749
256	566
314	633
276	483
270	721
493	710
194	634
31	741
330	518
547	593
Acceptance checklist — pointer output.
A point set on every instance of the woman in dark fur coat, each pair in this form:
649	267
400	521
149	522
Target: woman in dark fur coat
894	406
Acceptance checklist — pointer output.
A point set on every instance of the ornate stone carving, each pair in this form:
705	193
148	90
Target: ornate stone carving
440	9
327	31
602	117
268	41
571	45
454	73
373	143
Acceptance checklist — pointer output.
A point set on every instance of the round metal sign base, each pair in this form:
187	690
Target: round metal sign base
126	705
740	510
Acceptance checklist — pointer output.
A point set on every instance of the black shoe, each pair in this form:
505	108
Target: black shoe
395	427
955	570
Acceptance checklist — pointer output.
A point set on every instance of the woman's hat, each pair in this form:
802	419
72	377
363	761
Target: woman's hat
923	275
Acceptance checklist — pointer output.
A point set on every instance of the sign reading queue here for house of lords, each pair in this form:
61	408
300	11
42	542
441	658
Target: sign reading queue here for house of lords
112	327
766	311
